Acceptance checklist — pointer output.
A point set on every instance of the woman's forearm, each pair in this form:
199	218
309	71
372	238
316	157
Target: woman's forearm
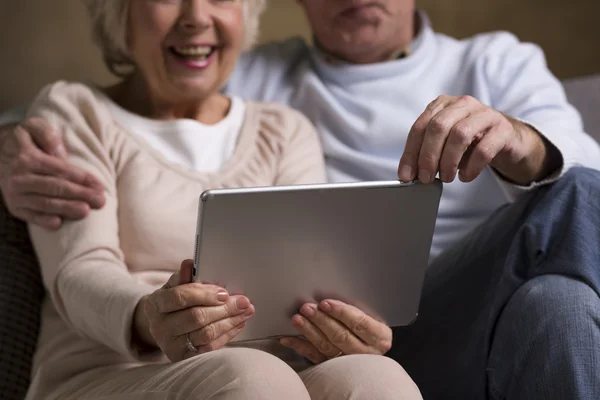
140	332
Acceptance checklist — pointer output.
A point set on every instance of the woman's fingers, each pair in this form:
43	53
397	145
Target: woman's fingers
327	334
175	298
196	318
186	272
221	341
305	348
211	332
375	334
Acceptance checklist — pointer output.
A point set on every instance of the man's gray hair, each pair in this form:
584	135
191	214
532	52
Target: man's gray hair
109	24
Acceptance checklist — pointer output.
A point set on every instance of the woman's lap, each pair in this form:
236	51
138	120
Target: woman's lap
241	373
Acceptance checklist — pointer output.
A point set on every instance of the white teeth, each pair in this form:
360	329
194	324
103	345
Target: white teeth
194	51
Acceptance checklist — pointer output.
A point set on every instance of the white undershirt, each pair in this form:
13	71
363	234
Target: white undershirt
188	142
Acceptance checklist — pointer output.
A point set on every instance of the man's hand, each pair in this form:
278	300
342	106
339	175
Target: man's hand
38	184
333	328
460	134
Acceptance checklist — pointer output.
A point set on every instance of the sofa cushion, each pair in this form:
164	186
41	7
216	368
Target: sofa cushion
21	294
584	94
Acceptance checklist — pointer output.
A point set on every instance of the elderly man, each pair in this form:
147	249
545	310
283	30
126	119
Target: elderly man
510	307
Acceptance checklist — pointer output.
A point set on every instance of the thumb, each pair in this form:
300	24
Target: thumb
183	276
45	137
185	272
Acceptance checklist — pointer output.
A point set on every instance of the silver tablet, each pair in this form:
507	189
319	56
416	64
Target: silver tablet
363	243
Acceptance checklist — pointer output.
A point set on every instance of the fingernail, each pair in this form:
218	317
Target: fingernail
326	306
242	303
424	176
309	310
222	296
286	342
444	177
406	173
298	320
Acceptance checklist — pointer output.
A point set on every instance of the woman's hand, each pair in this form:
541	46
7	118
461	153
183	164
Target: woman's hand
206	315
333	328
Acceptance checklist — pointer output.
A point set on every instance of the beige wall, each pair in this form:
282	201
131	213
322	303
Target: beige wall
45	40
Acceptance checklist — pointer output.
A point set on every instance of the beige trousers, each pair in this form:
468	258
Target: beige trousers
248	374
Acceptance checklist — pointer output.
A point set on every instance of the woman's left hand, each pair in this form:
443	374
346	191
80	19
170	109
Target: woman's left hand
333	328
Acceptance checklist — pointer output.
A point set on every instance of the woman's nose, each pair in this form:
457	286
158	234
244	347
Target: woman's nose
195	15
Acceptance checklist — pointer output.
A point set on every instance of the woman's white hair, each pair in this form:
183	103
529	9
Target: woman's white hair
109	24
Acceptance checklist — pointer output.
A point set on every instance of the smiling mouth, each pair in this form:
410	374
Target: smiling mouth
192	53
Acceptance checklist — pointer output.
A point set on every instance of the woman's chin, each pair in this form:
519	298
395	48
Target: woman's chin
195	89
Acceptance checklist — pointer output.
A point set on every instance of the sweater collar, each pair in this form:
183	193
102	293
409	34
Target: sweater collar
339	71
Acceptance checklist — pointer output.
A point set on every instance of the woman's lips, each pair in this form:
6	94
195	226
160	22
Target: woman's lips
193	59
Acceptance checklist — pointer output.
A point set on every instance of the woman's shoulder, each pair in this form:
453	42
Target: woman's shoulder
68	100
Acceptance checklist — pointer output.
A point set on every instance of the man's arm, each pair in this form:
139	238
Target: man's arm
528	133
526	90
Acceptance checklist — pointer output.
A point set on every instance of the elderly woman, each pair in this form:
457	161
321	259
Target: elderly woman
112	328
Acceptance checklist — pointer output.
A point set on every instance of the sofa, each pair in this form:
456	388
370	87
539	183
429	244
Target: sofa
21	288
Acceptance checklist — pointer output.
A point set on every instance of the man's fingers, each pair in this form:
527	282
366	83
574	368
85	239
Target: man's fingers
45	137
209	333
372	332
47	221
55	187
482	154
436	137
44	164
463	134
408	169
69	209
304	348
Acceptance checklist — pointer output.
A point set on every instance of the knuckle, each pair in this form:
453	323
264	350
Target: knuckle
55	189
200	316
466	99
208	334
23	160
439	125
428	161
325	346
179	300
340	337
47	203
485	154
361	324
462	133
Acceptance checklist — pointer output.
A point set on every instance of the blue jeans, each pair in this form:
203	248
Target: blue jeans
514	311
